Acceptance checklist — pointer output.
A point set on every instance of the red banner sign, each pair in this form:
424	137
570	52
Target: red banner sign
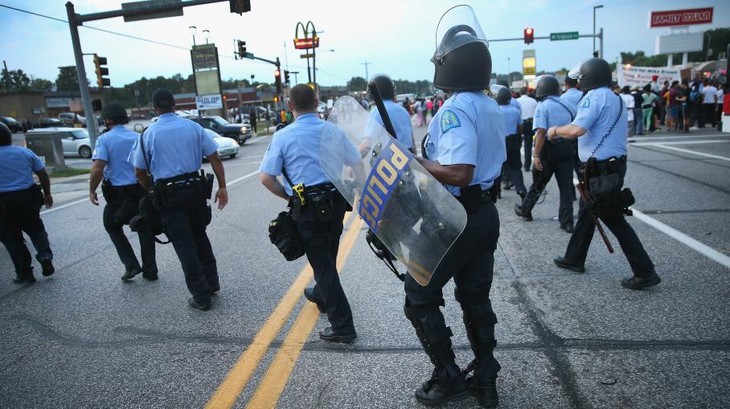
680	17
306	43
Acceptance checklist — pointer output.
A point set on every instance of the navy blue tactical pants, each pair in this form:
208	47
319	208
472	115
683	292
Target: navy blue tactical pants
184	218
20	212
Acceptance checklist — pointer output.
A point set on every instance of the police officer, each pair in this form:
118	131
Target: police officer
20	203
512	133
318	211
466	151
601	126
121	191
174	147
528	104
399	117
552	157
572	94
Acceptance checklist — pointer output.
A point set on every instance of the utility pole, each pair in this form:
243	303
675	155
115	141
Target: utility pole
366	63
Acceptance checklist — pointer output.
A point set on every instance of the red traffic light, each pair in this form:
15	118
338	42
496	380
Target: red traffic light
529	35
277	73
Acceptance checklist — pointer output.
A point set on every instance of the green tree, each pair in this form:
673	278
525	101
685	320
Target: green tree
14	80
41	84
357	84
67	79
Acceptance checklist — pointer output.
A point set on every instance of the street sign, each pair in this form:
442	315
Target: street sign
569	35
306	55
148	8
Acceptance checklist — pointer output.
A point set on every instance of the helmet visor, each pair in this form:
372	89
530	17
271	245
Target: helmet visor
574	72
456	28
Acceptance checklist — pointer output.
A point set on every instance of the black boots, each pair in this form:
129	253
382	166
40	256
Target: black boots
485	390
446	384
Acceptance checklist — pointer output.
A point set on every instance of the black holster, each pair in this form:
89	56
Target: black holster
472	197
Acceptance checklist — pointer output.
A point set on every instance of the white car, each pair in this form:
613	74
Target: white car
75	141
226	146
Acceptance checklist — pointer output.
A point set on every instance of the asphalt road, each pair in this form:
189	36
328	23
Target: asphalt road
83	338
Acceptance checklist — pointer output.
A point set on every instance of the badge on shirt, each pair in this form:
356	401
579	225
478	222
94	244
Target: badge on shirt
449	120
586	103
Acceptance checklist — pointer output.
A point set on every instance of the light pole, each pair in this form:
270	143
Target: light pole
193	30
594	28
366	63
206	34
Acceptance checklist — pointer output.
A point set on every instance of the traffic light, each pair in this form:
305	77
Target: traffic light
241	48
277	81
240	6
101	71
276	98
529	35
286	76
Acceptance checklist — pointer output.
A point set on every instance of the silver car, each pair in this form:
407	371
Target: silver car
226	146
75	141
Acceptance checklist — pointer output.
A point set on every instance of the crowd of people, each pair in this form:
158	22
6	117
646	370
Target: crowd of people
677	106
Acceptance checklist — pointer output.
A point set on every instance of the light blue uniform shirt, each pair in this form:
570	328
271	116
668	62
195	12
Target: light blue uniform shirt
296	149
598	110
572	95
512	118
174	146
17	165
552	112
114	147
468	130
399	118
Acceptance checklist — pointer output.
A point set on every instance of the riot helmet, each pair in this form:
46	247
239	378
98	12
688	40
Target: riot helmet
504	96
114	112
385	86
462	60
547	85
594	73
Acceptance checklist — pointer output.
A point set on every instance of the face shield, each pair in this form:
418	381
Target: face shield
574	72
456	28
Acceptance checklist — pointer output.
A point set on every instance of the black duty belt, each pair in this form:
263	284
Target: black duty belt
126	188
326	187
183	179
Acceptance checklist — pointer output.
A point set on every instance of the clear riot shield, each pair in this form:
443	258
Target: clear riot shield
410	211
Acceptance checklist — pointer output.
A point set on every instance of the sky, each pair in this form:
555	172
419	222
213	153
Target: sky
357	38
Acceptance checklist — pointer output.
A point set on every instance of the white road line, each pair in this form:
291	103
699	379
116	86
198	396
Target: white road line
707	155
242	178
53	209
679	142
685	136
683	238
680	237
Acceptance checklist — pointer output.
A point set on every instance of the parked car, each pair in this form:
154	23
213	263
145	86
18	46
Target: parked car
12	123
75	141
226	146
71	118
238	132
48	123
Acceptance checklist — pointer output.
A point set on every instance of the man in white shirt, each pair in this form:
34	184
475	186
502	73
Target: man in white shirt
709	102
528	105
629	104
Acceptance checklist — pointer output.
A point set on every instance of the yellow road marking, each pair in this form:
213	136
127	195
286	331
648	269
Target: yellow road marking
273	383
239	375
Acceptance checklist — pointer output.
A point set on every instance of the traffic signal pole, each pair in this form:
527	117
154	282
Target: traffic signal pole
81	75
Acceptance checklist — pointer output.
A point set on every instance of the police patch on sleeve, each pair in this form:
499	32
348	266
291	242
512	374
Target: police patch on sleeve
586	103
449	120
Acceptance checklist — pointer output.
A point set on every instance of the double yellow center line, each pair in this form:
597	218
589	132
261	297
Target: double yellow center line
274	381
